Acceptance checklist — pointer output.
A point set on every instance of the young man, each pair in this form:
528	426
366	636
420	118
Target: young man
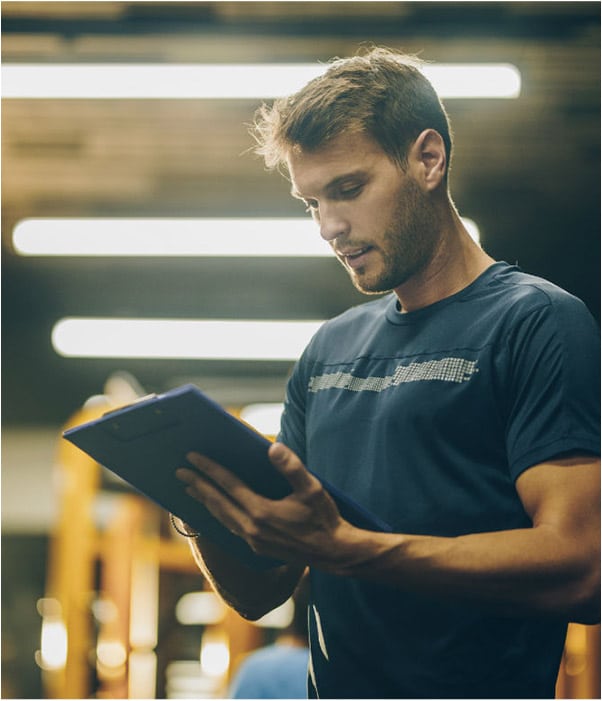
462	409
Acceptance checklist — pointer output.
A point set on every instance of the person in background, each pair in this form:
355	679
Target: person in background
462	407
278	671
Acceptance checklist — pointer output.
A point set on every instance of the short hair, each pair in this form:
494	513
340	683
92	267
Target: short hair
380	93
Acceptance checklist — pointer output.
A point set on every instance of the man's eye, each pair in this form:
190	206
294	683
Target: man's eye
310	205
350	192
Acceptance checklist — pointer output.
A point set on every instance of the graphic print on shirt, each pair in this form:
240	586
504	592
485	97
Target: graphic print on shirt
452	369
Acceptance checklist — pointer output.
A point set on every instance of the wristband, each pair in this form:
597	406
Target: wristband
181	532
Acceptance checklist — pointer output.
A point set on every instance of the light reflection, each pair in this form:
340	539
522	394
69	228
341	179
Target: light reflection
200	608
52	654
215	654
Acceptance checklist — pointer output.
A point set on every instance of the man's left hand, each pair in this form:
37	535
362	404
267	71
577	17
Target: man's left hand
304	527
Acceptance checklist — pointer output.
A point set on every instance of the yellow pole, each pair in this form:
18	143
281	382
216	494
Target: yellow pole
72	555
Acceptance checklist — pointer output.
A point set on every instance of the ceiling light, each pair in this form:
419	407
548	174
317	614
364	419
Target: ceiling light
226	81
169	237
274	237
165	81
182	338
474	80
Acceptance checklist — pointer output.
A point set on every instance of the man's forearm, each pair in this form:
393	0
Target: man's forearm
252	593
510	572
551	568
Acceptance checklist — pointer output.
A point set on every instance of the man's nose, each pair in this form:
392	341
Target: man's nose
332	222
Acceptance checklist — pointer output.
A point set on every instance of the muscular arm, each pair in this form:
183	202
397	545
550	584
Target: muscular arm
552	568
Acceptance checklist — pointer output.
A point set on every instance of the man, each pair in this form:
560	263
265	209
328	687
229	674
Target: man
462	409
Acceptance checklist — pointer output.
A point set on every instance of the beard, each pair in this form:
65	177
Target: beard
409	243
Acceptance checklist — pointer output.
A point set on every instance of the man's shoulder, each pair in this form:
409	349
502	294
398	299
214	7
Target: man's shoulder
517	298
522	286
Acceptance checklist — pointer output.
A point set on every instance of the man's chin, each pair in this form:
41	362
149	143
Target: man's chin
368	287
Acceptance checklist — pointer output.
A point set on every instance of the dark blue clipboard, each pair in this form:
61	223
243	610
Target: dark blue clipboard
145	442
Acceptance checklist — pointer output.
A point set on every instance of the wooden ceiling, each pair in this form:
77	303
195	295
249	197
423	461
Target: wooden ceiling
526	170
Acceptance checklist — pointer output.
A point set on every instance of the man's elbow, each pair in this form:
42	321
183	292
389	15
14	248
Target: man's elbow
585	607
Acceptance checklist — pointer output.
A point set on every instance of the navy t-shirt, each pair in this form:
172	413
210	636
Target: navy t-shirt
427	419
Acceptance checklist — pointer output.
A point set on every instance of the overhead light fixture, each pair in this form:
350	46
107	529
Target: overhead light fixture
169	237
474	80
226	81
208	339
274	237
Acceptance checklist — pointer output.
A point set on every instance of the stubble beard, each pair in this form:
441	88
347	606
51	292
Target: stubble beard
408	246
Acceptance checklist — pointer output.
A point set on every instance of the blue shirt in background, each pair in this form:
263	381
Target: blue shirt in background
275	672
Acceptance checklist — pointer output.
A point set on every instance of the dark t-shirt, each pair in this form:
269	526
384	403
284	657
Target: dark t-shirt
427	419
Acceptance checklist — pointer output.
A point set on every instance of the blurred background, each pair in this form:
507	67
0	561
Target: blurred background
93	577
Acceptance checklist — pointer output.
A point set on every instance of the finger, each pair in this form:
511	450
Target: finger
219	504
223	477
186	474
290	465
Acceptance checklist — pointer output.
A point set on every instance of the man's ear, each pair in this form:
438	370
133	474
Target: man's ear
427	159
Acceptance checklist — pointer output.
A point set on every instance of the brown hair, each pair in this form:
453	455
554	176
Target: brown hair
380	93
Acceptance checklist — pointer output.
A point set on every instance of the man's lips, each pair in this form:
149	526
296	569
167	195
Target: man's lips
354	256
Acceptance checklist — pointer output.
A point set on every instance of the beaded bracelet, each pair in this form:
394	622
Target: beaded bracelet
180	531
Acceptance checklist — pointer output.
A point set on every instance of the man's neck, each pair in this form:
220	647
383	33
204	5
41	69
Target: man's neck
457	262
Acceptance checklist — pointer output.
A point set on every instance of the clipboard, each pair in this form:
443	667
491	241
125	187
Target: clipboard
145	442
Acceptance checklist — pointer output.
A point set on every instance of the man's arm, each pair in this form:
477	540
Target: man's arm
552	568
252	593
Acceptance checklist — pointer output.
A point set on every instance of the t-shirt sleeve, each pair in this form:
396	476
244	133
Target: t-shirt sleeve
554	384
292	424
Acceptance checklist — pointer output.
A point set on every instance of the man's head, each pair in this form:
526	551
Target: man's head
367	147
380	94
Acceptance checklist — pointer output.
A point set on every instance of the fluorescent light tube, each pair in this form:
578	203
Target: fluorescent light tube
164	81
169	237
182	338
274	237
475	80
226	81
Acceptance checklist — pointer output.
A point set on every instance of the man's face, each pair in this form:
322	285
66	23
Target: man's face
380	223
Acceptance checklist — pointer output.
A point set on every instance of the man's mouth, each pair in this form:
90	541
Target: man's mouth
354	257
